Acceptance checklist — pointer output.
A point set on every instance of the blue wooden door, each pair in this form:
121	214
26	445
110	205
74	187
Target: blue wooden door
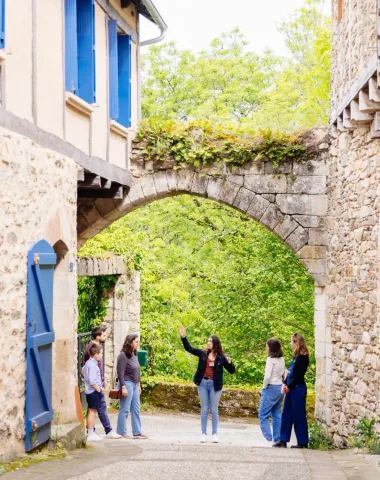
39	339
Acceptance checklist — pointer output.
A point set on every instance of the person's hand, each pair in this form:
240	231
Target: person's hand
182	331
284	389
102	390
228	359
124	392
139	388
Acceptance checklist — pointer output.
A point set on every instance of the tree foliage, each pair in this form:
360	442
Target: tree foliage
216	271
93	301
228	82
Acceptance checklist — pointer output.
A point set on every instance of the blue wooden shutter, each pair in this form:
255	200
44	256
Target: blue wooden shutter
125	72
39	338
2	23
113	69
86	50
71	50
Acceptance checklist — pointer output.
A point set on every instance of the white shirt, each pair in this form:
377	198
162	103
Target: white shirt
274	370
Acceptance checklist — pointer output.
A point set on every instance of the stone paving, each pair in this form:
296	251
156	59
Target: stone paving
173	450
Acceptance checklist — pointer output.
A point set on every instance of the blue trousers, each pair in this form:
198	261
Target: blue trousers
103	415
294	413
270	406
129	404
209	402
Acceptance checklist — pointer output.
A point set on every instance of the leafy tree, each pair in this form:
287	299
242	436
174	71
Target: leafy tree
228	82
224	82
216	271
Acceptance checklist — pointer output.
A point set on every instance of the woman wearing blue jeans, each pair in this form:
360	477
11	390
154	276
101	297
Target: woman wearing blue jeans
128	372
209	378
271	395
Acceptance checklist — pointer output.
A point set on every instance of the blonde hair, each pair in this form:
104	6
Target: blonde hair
299	345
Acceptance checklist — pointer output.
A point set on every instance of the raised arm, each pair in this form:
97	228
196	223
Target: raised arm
186	344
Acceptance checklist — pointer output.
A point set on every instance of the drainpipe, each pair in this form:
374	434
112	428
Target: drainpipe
158	20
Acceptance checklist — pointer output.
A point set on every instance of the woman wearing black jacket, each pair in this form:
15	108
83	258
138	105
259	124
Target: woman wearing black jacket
209	379
294	412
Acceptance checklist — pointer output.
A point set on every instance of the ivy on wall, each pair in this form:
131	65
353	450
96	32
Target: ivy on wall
202	143
93	300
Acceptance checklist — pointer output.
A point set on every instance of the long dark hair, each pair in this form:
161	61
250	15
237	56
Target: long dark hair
275	350
216	345
127	345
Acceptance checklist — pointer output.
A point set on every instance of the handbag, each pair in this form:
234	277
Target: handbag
115	393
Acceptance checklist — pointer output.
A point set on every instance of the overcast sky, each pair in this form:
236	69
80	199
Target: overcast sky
194	23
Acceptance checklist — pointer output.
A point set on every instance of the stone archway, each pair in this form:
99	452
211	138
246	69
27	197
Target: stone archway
290	201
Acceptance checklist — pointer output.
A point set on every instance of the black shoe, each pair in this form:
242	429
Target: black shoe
300	446
280	445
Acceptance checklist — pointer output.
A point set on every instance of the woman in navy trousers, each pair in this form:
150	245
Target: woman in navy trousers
294	412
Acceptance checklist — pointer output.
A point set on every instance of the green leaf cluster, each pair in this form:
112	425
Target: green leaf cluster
214	270
93	301
230	83
203	143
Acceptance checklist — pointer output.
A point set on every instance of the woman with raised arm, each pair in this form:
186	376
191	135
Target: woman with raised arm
294	412
271	394
209	379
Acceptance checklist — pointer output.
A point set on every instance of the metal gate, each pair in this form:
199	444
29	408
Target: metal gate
39	338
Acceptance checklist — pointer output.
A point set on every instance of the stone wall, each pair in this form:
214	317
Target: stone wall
123	317
183	397
38	201
352	290
353	45
123	313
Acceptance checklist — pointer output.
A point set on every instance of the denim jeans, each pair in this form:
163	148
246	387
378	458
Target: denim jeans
129	404
209	402
270	406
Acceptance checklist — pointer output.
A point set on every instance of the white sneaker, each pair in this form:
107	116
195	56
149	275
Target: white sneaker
93	437
113	435
203	438
215	438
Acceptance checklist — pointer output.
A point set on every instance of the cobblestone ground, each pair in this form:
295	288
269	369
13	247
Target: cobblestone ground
173	450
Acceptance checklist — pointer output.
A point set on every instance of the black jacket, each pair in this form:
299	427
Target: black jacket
220	362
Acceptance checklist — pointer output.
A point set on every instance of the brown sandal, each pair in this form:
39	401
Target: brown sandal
140	436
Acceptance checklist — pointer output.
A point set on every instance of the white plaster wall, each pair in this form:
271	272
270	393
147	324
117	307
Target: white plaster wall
38	201
18	64
100	115
50	77
78	129
118	150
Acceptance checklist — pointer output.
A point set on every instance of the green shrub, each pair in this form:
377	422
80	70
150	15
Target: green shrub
317	438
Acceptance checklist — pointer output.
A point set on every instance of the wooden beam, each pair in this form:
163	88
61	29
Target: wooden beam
366	105
80	177
373	91
125	3
106	183
116	191
91	181
357	115
347	124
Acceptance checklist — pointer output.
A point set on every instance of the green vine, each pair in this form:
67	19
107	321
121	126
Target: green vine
93	300
202	143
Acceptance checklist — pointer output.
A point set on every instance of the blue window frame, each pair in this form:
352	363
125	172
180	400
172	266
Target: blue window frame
80	48
120	72
2	23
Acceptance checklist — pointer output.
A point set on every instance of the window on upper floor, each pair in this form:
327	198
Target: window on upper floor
340	10
80	48
120	70
2	23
